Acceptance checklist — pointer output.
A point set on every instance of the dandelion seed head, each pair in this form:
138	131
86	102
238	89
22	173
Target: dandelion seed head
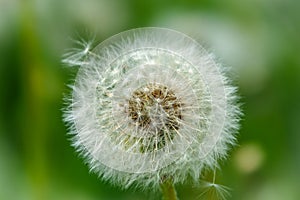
149	103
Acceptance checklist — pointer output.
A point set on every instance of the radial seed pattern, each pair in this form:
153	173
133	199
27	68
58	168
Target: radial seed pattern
149	103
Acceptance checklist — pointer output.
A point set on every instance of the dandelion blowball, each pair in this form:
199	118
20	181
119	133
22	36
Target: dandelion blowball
150	103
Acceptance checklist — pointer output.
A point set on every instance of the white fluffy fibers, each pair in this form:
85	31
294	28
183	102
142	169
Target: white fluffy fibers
150	103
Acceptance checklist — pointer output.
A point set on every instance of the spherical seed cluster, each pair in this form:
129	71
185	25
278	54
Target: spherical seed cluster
150	103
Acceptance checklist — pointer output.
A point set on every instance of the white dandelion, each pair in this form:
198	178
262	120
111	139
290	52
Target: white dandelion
150	104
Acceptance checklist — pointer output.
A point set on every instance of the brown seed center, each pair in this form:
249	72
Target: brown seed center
156	108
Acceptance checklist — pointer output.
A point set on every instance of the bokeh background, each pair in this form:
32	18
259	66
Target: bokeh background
258	39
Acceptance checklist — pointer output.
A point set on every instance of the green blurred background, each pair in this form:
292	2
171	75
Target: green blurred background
259	39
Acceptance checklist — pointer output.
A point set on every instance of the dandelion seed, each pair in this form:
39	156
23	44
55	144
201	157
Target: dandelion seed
150	103
212	190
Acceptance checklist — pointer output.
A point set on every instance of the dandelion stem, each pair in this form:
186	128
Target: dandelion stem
168	190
